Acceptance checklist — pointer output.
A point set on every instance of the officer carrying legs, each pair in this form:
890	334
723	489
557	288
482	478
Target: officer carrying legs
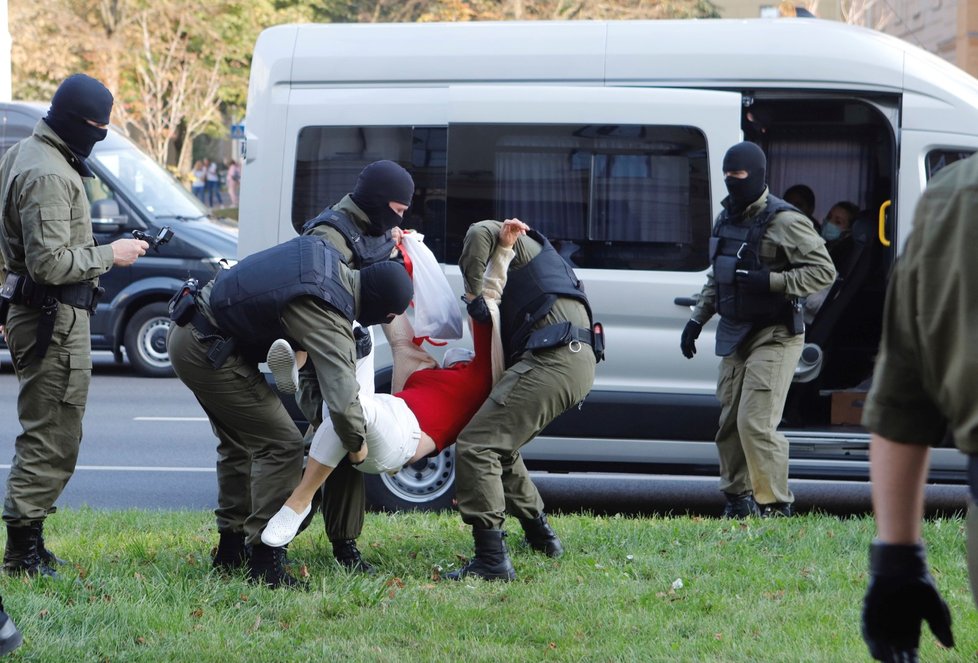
301	291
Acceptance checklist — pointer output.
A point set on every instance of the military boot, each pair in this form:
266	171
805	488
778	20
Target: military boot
740	506
491	560
267	566
348	555
777	510
21	556
541	537
46	555
231	553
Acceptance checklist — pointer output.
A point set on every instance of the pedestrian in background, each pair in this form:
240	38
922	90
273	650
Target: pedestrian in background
924	388
233	181
200	180
51	269
212	189
766	257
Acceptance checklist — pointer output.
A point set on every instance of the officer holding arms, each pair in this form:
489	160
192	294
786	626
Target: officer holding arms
51	267
363	228
551	347
766	257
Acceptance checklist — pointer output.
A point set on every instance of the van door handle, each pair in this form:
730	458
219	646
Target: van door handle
686	301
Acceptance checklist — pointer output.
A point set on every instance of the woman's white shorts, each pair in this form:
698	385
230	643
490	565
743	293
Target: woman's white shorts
393	435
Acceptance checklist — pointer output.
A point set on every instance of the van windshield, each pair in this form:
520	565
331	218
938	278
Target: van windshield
143	181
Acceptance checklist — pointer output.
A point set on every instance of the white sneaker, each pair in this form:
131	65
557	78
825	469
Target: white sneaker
281	362
283	526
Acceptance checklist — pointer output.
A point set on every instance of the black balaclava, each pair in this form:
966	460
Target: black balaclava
80	98
385	288
749	157
379	184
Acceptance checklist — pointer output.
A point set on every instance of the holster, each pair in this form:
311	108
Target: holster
45	326
183	305
565	333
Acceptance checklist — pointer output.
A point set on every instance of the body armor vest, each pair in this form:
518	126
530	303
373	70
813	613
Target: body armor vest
738	247
247	300
367	249
531	292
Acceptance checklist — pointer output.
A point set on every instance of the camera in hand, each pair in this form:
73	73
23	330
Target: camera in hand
164	236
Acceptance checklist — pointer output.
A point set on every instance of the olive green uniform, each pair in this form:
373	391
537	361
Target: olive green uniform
491	478
754	380
344	495
925	377
259	449
47	234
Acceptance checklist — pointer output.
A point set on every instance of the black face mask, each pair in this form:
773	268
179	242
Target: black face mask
378	185
385	289
80	98
748	157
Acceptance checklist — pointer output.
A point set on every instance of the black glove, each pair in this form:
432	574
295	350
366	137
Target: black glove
691	332
755	280
362	338
901	594
478	310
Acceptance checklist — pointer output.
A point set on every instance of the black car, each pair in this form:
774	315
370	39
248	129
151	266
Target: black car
130	192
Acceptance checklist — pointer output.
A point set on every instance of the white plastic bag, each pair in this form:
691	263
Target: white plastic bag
437	313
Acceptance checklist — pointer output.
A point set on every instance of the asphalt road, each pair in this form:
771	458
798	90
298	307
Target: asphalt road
148	445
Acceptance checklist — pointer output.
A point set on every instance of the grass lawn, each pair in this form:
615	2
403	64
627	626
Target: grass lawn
139	588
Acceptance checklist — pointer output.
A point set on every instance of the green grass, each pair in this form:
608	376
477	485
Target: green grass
139	588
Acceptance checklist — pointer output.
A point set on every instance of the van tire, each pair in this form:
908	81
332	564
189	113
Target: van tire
428	485
145	341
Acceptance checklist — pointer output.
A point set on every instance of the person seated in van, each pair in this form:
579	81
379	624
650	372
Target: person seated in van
302	291
765	258
421	419
364	226
802	197
837	233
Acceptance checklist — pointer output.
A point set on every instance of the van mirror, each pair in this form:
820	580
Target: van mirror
106	217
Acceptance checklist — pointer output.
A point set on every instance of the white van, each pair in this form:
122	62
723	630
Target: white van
608	137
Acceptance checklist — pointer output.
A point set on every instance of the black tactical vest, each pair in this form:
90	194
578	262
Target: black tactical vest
531	292
738	247
247	300
367	249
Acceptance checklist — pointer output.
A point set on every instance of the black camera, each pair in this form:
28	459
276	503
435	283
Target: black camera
164	236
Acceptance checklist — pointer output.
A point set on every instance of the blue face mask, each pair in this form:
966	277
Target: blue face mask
831	232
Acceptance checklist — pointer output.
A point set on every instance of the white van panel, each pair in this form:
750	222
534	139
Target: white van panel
428	52
792	54
637	307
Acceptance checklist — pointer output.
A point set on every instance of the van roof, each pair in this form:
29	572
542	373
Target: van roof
793	52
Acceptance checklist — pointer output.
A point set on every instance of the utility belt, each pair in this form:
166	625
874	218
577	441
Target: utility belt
183	310
22	290
565	333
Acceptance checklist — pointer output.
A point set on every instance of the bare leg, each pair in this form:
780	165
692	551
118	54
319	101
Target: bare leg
312	479
425	447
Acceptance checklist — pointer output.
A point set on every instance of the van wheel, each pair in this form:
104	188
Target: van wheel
145	341
428	485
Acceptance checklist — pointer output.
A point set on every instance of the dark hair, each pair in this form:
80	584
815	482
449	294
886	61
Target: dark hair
804	195
851	208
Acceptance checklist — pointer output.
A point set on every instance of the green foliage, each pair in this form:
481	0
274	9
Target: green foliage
140	588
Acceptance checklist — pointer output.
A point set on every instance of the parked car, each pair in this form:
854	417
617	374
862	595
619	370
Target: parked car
130	192
608	137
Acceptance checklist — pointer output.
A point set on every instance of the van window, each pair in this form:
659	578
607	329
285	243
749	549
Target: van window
328	160
937	159
607	196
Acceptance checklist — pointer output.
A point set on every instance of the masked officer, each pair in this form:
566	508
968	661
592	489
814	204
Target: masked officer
924	387
51	268
551	350
362	227
303	292
766	258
